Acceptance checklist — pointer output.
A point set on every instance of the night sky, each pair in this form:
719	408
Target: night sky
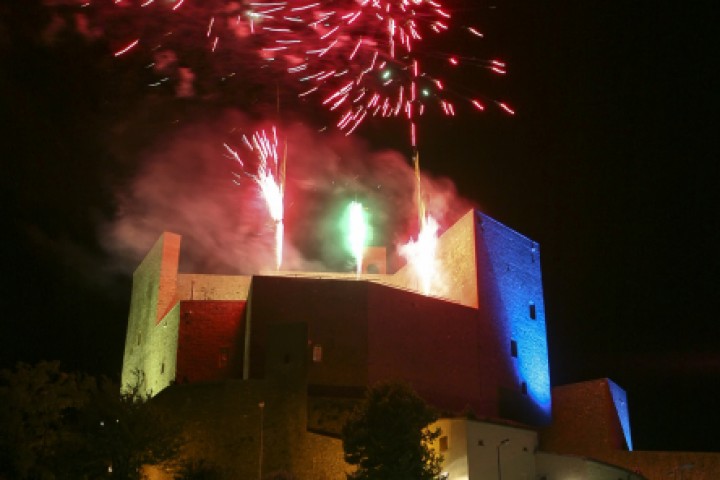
607	164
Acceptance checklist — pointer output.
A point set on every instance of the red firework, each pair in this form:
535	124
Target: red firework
358	58
362	57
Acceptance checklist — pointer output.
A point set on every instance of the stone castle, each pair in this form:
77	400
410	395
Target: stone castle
264	368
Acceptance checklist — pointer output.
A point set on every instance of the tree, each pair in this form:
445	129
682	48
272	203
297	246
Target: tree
37	404
56	425
388	436
125	432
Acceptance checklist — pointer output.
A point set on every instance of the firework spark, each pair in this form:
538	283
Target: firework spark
357	233
127	48
421	254
269	177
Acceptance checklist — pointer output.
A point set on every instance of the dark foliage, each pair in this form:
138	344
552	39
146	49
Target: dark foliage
388	436
57	425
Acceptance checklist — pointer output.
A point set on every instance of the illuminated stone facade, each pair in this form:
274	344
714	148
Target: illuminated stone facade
478	344
591	419
307	344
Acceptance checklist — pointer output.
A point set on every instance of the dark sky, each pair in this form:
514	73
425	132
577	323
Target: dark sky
607	164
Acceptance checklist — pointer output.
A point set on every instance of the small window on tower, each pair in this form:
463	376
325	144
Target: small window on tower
139	338
317	353
223	357
523	387
533	312
162	368
513	348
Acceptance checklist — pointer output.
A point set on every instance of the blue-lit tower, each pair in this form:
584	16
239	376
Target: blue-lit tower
510	293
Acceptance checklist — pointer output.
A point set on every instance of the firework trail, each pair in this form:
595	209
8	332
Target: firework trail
357	234
270	177
420	254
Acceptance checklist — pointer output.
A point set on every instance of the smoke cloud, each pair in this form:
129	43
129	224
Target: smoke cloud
190	185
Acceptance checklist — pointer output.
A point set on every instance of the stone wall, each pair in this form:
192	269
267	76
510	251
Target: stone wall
552	466
456	266
224	423
151	337
194	286
210	340
667	465
511	295
335	312
585	421
439	347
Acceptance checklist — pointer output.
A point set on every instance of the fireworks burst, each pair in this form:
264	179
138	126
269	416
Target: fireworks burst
357	58
364	58
270	177
420	254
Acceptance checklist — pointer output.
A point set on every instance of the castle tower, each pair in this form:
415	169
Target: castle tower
150	351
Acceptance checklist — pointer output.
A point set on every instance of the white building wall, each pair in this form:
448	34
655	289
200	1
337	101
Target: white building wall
487	451
475	450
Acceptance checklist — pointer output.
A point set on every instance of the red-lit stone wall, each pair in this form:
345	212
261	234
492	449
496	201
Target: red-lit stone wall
368	332
210	340
441	348
167	294
335	312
